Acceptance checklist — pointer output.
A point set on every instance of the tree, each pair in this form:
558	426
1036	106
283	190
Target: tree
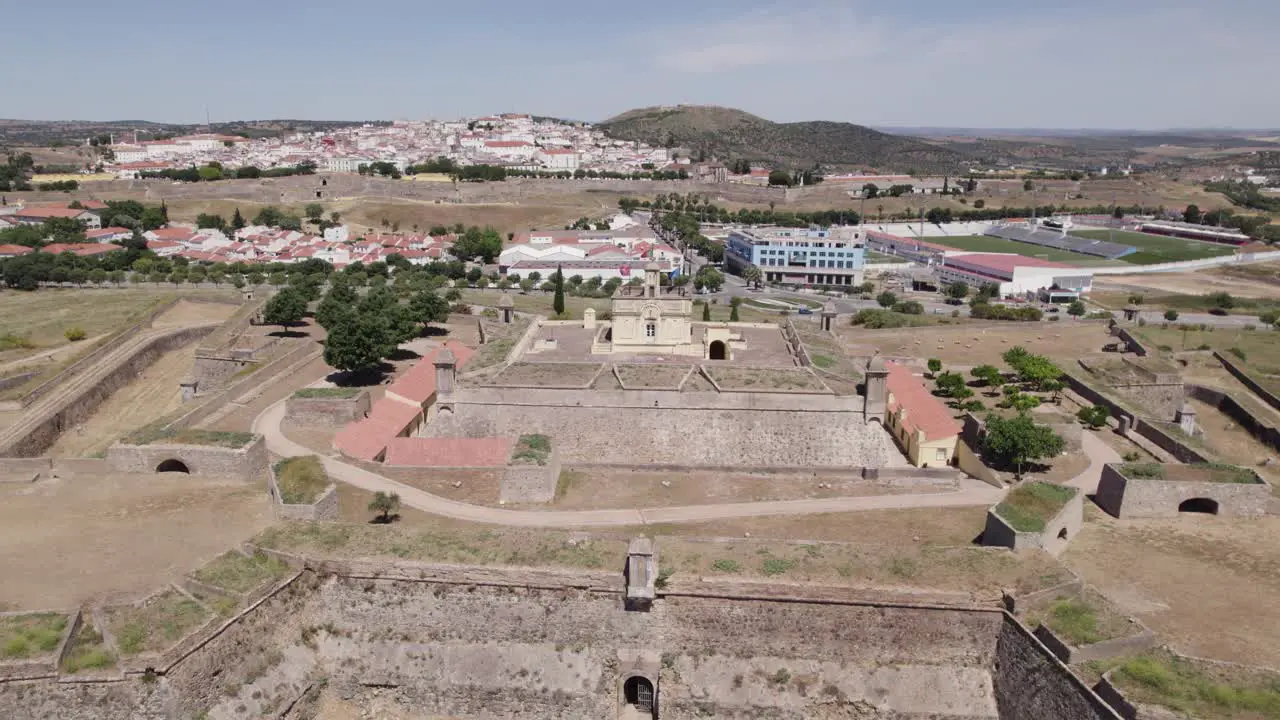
384	504
958	290
886	299
1015	441
337	304
752	275
284	308
97	276
935	366
989	375
1028	186
706	312
1076	308
733	312
1171	315
357	343
557	303
779	177
314	211
950	385
474	242
1095	417
237	220
256	278
429	307
1053	386
1192	214
1136	299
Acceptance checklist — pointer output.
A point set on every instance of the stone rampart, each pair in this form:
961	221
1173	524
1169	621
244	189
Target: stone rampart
1112	696
1032	683
1144	639
247	463
676	429
471	642
326	411
77	407
530	482
1058	530
1123	496
1258	427
1245	377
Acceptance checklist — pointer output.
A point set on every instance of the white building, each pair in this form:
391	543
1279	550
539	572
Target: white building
559	158
1016	275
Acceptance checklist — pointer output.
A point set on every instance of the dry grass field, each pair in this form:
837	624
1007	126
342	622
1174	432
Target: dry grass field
68	540
602	488
43	317
1207	585
969	345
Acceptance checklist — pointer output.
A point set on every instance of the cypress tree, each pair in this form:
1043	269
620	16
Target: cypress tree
558	302
706	312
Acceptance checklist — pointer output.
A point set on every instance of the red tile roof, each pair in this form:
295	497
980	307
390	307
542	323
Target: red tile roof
174	233
449	452
11	250
1004	262
366	439
107	232
924	411
81	249
49	212
419	383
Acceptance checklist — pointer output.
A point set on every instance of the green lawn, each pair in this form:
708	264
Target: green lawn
873	257
1153	249
983	243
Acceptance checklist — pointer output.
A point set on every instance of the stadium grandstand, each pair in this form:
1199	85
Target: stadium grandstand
1191	231
1060	241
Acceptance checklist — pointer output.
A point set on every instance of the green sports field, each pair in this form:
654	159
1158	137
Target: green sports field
1154	249
983	243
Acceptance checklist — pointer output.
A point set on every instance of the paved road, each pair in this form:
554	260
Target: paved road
1099	454
268	424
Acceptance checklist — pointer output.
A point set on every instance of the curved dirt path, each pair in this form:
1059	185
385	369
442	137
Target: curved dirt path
1099	454
268	424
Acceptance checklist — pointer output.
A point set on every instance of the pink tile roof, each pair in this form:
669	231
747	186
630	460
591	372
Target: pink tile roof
449	452
49	212
924	411
107	231
367	438
174	233
419	383
10	250
81	249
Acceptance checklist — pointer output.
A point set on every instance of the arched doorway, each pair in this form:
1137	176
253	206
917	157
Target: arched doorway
1199	505
638	692
718	351
172	465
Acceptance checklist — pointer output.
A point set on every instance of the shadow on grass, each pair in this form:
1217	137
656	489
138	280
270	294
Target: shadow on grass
385	519
362	378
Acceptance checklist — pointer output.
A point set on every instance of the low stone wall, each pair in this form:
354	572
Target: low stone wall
531	483
1057	532
41	666
1144	427
1128	497
1071	654
1135	345
1229	406
248	463
326	412
1112	696
324	508
1032	683
1243	376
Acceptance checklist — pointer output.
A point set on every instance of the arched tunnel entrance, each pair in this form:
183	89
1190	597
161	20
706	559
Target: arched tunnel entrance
172	465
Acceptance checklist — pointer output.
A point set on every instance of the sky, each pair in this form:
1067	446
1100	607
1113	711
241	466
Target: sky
1120	64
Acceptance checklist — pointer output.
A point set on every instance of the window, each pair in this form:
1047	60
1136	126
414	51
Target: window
941	455
651	330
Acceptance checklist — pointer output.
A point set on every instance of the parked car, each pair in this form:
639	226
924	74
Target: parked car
804	311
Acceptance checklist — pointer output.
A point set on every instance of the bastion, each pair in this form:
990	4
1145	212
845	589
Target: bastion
1135	490
436	640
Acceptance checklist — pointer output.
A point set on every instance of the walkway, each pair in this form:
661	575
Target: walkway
268	424
1099	454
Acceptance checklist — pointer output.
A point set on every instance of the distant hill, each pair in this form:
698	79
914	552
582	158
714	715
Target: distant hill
729	134
46	132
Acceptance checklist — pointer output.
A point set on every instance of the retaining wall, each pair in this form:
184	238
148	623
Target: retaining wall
326	412
1071	654
248	463
1243	376
1229	406
78	407
1128	497
324	508
1069	519
531	483
1032	683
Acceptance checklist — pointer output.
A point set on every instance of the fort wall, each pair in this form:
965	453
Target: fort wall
249	462
1129	497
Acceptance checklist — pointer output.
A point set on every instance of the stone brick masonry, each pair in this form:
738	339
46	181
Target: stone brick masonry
326	412
248	463
1128	497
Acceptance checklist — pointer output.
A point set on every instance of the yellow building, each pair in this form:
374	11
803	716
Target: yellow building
920	422
649	318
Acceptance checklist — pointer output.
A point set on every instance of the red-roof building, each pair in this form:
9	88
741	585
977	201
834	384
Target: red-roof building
81	249
8	251
918	420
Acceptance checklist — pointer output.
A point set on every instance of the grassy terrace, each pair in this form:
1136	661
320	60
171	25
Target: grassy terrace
651	375
334	393
547	374
1154	249
240	573
1082	619
761	378
1028	507
87	651
1201	691
301	480
1204	472
531	450
157	625
156	433
27	636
